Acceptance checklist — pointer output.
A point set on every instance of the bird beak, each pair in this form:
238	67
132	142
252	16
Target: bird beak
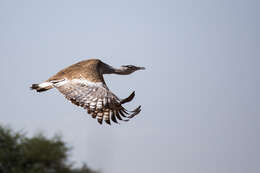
140	68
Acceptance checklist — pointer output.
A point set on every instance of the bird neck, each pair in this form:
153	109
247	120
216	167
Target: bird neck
107	69
121	71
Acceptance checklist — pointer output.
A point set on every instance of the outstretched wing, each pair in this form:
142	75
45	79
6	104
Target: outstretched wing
96	99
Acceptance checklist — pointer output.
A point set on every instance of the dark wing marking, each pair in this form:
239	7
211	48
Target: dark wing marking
97	100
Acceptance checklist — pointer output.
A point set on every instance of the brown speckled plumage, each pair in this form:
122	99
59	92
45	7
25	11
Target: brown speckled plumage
89	69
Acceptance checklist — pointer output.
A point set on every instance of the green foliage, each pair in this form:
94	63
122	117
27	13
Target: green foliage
20	154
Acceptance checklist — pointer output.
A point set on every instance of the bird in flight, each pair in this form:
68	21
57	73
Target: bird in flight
83	84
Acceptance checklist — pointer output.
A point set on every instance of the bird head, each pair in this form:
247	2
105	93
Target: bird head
128	69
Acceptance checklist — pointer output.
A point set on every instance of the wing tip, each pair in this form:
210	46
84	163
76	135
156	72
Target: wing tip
129	98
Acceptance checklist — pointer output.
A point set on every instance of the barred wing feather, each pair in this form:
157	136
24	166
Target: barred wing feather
97	100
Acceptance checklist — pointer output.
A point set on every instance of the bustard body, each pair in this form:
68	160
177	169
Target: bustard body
83	84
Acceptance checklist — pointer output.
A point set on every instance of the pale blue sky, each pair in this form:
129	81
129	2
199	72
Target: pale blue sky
199	92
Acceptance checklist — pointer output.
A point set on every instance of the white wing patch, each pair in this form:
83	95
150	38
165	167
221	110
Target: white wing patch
45	84
96	99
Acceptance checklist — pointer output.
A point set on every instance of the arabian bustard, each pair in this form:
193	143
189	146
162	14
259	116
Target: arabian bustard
83	84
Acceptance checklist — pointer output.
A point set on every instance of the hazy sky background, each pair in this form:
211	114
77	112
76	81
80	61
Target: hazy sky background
199	92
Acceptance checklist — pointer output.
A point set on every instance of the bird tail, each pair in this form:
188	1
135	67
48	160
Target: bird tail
42	86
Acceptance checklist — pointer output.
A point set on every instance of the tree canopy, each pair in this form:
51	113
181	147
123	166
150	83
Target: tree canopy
38	154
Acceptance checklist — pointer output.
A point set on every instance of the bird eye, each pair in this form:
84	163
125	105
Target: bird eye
128	66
